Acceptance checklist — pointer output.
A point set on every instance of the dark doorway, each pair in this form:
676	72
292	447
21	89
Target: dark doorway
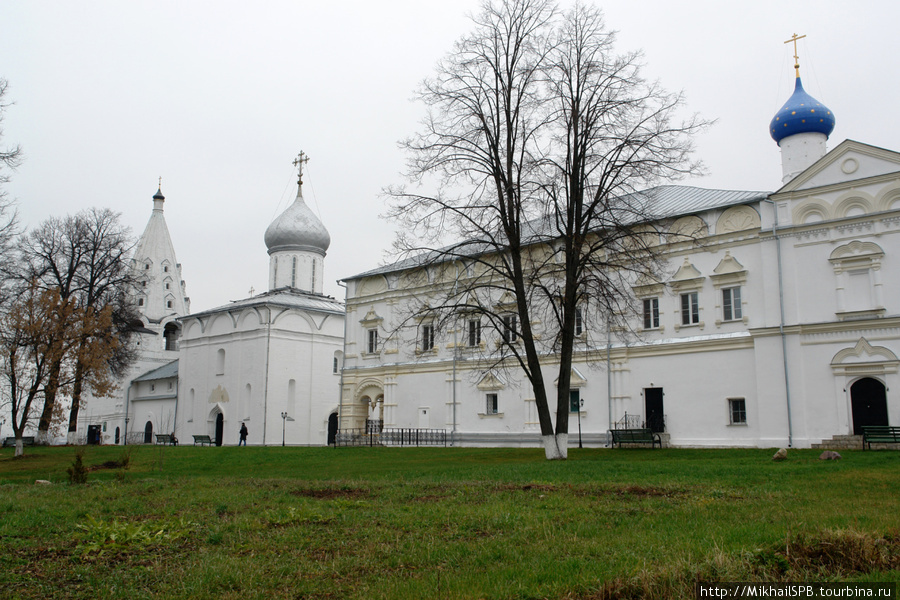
117	435
93	435
653	403
868	403
220	428
148	433
332	428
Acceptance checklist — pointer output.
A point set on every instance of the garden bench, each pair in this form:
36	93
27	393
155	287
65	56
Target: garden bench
635	436
880	434
11	441
203	440
165	439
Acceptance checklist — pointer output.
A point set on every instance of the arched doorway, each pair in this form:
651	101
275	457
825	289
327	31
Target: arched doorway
868	402
332	428
118	432
148	433
220	428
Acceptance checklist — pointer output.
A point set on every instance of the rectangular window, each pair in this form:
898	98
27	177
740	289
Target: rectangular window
510	328
690	309
474	332
731	304
574	400
737	409
493	406
372	341
579	321
651	313
427	337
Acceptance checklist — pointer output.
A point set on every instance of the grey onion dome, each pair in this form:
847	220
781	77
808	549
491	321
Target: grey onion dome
297	228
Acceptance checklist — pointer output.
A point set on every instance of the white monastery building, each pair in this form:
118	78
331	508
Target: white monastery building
269	361
778	324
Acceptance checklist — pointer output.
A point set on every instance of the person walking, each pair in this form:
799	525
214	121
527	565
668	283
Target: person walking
243	434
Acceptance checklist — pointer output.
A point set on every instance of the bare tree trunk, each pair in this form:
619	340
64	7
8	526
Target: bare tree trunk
43	432
77	388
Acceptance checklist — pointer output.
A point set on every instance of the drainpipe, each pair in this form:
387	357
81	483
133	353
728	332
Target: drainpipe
266	381
343	360
787	386
127	399
608	380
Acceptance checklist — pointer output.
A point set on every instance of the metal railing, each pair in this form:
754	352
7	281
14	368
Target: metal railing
656	423
391	437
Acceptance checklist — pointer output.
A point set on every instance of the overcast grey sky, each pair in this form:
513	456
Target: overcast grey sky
219	97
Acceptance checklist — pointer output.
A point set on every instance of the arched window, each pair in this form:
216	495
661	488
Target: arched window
170	333
292	396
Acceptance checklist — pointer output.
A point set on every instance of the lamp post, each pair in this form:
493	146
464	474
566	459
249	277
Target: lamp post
125	439
284	417
580	405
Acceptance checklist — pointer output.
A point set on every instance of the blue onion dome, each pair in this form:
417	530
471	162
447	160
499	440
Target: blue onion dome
297	228
801	114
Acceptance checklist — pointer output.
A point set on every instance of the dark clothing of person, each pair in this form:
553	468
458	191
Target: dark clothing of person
243	435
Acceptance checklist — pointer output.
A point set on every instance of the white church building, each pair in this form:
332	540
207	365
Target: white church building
270	361
779	323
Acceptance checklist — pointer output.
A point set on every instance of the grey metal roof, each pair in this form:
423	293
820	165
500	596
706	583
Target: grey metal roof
164	372
665	201
284	297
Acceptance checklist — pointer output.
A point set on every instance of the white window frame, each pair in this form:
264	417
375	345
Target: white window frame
492	403
579	321
510	328
690	315
731	304
651	312
426	337
372	341
733	410
473	333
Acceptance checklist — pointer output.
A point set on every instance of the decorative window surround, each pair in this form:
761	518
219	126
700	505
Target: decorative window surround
851	262
688	280
729	274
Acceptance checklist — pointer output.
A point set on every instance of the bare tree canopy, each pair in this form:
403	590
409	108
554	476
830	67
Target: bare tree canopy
538	139
10	159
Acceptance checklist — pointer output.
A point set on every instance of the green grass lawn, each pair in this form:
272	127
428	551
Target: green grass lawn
246	523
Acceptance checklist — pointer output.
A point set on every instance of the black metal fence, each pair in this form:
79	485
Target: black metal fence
656	423
373	436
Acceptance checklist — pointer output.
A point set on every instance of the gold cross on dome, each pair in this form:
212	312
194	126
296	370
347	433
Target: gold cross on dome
301	159
796	56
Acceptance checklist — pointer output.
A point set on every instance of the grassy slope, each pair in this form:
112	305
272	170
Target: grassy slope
458	523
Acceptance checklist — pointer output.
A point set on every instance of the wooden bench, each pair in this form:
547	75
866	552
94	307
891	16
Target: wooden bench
880	434
166	439
203	440
11	441
635	436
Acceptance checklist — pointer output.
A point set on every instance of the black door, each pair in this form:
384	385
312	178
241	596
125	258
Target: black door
220	428
653	403
868	403
332	428
148	433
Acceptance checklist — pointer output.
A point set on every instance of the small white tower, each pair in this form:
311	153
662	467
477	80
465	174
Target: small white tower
801	127
297	243
161	294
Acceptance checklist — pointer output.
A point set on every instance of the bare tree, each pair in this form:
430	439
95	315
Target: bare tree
10	159
538	138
